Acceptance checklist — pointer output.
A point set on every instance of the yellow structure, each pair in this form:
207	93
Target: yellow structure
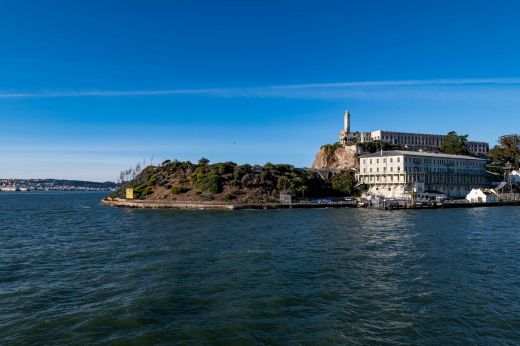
130	193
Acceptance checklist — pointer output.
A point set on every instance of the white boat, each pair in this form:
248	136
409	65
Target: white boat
8	188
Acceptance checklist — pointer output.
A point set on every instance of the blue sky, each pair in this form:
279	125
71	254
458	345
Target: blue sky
88	88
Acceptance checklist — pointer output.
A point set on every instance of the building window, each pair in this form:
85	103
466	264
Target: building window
398	159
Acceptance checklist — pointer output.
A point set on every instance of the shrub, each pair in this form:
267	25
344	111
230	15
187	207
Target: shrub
178	189
142	191
203	161
208	182
344	183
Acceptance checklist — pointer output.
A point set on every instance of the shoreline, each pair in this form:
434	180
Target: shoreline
150	204
122	203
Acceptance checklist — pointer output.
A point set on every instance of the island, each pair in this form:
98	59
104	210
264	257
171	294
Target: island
385	169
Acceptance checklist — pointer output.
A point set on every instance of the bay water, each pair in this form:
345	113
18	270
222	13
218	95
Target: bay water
75	272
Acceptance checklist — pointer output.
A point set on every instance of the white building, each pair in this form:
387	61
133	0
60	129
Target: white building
514	177
482	196
396	173
410	140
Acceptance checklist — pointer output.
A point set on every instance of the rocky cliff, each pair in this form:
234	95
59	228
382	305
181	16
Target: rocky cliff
335	157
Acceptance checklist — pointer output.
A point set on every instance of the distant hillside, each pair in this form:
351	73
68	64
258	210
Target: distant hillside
186	181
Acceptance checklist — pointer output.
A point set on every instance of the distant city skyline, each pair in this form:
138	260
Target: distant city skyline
89	88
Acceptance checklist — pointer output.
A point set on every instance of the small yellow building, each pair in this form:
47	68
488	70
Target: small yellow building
130	193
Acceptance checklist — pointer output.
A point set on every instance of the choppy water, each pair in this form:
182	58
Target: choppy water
74	272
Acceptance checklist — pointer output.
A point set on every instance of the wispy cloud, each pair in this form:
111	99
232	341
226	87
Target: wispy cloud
359	89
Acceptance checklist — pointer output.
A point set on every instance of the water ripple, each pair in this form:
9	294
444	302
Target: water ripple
74	272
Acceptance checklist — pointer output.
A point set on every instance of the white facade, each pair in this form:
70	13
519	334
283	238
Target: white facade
395	174
482	196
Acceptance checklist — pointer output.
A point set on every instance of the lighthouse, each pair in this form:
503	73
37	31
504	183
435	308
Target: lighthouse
346	126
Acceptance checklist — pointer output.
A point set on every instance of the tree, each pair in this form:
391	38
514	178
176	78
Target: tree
455	144
283	184
344	182
203	161
508	150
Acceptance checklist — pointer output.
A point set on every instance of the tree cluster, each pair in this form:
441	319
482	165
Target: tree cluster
455	144
229	180
507	150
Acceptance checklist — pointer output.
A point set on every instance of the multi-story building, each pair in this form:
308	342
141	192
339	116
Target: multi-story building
427	142
396	173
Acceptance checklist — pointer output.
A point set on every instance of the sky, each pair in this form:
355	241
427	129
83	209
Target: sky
89	88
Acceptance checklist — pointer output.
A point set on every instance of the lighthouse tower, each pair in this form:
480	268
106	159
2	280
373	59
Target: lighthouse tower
346	126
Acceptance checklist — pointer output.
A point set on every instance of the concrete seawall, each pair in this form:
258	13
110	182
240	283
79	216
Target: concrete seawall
230	206
218	206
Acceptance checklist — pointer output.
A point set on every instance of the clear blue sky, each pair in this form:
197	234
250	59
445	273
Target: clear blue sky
87	88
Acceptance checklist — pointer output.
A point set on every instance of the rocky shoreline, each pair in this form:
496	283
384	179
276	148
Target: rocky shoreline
154	204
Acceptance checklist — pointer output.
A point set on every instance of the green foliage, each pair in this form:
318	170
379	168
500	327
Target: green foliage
283	184
261	183
208	182
152	180
344	182
203	161
374	146
455	144
508	150
223	168
142	191
178	190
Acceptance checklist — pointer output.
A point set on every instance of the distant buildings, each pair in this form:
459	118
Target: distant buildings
10	185
428	142
396	173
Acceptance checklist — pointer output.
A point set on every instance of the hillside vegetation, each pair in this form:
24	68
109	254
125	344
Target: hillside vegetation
229	182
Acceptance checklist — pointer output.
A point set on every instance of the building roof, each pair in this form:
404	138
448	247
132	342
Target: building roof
420	153
486	192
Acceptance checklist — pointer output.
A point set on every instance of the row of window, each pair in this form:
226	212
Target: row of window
391	169
391	160
441	179
418	160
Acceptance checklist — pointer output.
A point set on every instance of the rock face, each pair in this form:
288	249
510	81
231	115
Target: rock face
335	157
